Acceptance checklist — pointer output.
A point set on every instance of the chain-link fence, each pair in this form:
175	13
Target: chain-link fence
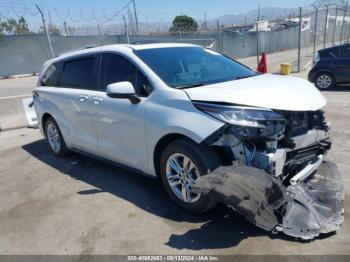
323	28
23	54
294	39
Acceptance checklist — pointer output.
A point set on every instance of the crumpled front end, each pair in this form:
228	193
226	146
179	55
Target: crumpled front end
316	205
304	210
279	179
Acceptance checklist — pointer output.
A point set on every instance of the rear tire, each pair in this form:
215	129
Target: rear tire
54	138
324	81
193	161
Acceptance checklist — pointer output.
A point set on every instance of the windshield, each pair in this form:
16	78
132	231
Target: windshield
185	67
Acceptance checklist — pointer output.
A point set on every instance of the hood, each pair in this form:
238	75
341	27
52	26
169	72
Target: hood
266	91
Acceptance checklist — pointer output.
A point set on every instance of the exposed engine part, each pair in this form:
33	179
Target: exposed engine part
282	147
279	180
310	168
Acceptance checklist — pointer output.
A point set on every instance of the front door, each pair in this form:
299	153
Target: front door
120	124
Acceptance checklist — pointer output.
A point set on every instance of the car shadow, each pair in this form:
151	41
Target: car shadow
338	88
221	227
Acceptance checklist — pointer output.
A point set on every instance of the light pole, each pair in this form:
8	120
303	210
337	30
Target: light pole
136	19
126	30
45	29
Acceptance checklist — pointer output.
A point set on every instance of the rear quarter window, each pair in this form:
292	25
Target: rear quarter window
330	53
52	76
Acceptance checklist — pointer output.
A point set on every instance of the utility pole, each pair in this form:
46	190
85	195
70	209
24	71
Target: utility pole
50	21
65	28
315	33
136	19
205	26
257	37
70	29
347	15
45	29
131	22
342	26
126	30
99	29
219	36
335	26
299	40
325	29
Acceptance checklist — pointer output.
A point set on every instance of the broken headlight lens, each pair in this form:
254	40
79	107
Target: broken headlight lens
241	116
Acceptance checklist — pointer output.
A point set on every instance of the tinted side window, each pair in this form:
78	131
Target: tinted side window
78	74
52	76
331	53
345	51
115	68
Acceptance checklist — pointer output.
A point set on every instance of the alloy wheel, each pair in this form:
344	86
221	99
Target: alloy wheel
181	175
53	137
324	81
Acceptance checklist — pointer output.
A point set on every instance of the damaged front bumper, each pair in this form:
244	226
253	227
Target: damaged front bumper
311	205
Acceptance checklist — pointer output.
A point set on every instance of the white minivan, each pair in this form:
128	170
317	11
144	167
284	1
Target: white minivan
210	128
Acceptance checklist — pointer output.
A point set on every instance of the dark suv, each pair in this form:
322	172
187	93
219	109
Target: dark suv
331	67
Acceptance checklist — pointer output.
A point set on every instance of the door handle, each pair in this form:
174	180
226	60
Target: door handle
83	98
97	100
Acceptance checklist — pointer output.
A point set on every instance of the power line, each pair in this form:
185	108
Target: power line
117	13
136	19
71	18
19	16
17	9
59	16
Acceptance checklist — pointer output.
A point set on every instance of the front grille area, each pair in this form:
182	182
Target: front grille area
298	159
300	122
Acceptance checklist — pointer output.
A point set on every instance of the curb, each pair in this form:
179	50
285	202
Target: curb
17	112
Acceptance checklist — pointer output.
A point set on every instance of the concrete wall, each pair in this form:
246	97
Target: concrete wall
26	54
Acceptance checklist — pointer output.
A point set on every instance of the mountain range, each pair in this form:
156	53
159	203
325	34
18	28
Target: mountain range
268	13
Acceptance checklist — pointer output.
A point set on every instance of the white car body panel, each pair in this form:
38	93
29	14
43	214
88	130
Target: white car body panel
72	116
171	112
254	152
114	133
118	130
265	91
120	126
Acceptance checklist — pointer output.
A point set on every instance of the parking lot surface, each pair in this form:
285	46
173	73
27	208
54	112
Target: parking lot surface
78	205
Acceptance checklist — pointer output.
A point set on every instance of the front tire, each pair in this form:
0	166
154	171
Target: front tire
181	165
324	81
54	138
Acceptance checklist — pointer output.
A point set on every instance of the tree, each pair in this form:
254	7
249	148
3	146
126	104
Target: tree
184	23
53	30
13	27
22	26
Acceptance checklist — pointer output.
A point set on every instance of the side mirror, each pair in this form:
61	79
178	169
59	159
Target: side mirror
123	90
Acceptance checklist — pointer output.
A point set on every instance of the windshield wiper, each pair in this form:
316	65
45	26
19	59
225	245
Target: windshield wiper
191	86
242	77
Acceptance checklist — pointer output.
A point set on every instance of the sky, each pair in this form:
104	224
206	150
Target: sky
148	10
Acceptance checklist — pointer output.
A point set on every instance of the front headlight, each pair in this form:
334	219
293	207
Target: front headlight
241	116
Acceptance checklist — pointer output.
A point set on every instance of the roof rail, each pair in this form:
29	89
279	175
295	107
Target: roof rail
89	46
85	47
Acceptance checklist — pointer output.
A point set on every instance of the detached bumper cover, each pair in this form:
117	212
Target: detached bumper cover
304	210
